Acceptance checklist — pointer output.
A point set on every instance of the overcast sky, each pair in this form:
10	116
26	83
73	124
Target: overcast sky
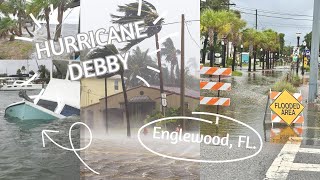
11	66
298	9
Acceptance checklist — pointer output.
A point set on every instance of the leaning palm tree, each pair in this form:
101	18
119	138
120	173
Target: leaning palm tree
148	14
170	52
43	7
138	62
102	53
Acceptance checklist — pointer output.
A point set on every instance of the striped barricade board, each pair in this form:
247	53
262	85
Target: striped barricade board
275	118
214	101
216	86
215	71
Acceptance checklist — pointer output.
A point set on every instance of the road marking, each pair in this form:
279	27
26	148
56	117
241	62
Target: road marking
305	167
281	166
309	150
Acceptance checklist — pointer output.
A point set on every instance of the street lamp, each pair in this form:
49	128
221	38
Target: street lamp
298	45
304	44
241	47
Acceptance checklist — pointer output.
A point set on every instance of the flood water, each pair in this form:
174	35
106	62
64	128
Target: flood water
21	153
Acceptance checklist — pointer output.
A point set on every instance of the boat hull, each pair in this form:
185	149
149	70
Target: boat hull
18	88
29	111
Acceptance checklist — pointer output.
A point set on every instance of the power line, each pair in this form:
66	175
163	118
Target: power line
278	17
273	12
191	35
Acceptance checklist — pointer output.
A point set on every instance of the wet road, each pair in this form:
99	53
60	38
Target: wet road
248	99
118	157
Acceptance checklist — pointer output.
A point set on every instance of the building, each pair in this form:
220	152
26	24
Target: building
93	89
142	100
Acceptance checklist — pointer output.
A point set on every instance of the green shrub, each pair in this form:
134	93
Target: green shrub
229	62
307	68
283	85
296	81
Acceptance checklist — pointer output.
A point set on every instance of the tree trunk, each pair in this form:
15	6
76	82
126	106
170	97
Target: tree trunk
20	25
234	57
126	104
160	68
47	12
173	78
266	59
204	50
30	34
249	68
262	59
254	58
60	19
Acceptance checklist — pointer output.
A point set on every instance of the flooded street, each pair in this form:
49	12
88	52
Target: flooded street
117	157
249	96
22	155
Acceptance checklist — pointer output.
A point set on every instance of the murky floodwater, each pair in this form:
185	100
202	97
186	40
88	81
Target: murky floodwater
21	153
248	96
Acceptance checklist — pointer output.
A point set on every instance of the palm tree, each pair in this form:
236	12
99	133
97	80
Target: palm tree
102	53
43	9
234	34
148	15
18	72
272	44
170	52
23	69
250	40
14	8
215	23
138	62
62	6
43	72
7	25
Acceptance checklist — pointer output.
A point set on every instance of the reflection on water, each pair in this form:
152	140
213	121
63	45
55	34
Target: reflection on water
22	155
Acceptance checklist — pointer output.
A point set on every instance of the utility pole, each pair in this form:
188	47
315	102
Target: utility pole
314	69
160	69
106	102
182	90
256	19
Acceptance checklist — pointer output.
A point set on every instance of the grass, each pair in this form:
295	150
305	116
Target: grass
236	73
15	49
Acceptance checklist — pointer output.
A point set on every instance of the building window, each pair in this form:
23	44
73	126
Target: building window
116	85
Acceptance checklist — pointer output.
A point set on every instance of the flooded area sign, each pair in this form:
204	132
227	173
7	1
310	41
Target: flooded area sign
287	107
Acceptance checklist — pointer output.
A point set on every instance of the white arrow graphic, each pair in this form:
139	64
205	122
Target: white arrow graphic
44	133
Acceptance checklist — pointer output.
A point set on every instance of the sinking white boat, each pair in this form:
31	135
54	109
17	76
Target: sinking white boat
18	85
60	99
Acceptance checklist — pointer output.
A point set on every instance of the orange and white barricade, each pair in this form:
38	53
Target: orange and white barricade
275	118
